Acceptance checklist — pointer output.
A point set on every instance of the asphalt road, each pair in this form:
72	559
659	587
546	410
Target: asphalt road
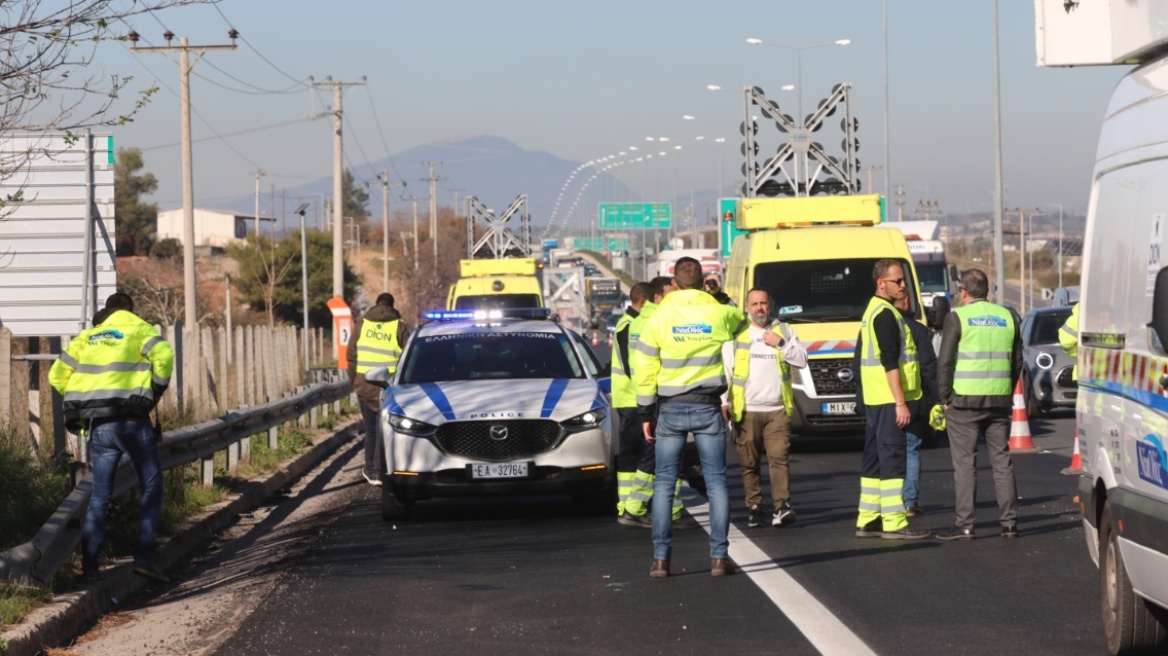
522	576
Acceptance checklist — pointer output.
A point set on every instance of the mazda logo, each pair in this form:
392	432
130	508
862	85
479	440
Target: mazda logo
845	375
498	433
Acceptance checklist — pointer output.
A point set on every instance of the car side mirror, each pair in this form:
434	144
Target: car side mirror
378	376
1159	324
936	314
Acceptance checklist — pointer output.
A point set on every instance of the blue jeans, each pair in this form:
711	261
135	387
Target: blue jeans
107	443
674	421
912	476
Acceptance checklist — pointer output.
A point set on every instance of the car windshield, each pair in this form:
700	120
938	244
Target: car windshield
821	290
497	301
1046	328
481	355
933	277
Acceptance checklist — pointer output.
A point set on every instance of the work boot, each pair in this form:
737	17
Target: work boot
907	533
659	569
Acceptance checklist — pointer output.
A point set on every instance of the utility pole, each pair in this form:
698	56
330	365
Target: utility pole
190	314
258	173
433	180
338	158
899	202
385	230
415	199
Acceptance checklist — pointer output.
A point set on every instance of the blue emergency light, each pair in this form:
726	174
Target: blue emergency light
487	315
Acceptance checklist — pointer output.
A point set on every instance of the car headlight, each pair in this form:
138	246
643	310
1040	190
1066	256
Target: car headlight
403	424
586	421
1044	360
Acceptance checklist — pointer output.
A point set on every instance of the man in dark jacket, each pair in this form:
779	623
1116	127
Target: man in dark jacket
919	409
977	370
378	340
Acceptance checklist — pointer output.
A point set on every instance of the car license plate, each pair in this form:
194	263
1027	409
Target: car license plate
840	408
499	470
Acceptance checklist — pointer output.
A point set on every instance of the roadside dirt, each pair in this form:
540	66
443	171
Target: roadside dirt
209	597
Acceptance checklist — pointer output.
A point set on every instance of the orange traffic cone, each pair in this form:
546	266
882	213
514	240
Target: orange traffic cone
1076	467
1020	441
595	338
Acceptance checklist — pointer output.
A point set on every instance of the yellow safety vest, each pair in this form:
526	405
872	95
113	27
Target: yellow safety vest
876	389
377	346
1069	338
679	348
110	370
623	394
742	370
984	354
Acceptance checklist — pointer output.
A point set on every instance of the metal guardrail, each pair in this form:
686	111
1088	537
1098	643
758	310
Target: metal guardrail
38	560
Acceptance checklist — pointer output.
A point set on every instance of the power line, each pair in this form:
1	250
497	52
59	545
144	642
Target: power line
303	119
384	143
256	50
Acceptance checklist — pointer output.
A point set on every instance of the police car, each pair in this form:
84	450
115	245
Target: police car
497	402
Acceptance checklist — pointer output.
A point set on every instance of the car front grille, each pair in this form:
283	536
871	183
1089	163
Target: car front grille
482	439
1065	379
825	376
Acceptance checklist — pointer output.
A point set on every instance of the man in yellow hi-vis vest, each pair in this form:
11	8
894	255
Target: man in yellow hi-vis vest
111	376
977	369
760	402
677	371
890	377
1069	339
380	336
624	401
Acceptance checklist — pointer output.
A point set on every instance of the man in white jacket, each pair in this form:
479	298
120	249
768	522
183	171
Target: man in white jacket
759	402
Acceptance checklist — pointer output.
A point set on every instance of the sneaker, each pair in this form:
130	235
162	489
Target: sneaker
374	480
1009	531
150	571
783	516
907	533
755	519
641	521
914	511
956	533
685	522
872	529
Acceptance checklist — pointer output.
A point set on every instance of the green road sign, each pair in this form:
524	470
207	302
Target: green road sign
728	224
646	216
601	244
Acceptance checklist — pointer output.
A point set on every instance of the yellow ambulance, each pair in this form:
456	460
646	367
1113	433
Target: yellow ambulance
496	284
815	256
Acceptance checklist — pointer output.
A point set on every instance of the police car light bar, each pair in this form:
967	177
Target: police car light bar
487	315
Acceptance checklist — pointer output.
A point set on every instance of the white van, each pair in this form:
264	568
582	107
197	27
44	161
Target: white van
1123	314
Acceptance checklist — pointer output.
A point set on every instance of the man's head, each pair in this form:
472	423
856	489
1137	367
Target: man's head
119	301
687	273
639	294
758	306
974	284
385	299
660	287
890	281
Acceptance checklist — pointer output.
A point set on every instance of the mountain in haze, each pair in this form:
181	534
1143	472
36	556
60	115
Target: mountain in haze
494	170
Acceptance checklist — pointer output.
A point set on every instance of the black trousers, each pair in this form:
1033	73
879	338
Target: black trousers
635	452
884	444
374	460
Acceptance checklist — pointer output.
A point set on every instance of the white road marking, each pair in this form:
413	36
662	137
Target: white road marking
819	625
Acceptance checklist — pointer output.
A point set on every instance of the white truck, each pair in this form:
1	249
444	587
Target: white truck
1122	405
928	253
711	263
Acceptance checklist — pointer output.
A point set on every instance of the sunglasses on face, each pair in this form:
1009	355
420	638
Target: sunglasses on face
897	281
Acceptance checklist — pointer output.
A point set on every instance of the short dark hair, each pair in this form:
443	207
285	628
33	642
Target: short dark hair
657	286
640	293
119	301
976	283
882	267
759	289
687	273
385	298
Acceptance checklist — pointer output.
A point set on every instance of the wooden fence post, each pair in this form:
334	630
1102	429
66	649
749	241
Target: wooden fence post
223	388
5	378
240	366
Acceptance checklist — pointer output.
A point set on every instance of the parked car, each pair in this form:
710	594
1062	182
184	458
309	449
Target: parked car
1047	382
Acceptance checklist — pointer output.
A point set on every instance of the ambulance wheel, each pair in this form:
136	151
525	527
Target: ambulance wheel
392	509
1131	624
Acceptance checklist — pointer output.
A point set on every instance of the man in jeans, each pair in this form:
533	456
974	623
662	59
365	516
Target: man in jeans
760	402
919	409
111	376
678	376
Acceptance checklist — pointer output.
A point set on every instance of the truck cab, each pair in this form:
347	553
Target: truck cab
496	284
815	257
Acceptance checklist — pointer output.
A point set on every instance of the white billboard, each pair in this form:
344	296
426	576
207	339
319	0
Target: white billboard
57	195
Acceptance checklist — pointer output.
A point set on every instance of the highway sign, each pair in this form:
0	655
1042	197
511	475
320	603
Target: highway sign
601	244
646	216
728	226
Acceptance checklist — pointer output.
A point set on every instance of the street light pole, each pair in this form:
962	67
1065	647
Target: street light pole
304	281
999	256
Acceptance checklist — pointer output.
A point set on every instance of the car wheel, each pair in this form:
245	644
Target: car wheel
392	509
1033	408
1130	623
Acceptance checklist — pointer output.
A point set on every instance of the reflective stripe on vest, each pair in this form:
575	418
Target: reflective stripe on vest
377	346
741	372
985	350
623	394
876	389
686	336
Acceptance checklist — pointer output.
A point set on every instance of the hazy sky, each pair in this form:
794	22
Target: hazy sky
582	80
